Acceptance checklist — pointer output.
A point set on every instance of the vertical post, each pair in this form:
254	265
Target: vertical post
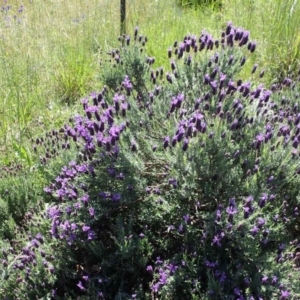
123	16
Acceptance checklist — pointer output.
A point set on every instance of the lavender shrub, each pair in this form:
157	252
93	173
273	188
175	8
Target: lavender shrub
185	183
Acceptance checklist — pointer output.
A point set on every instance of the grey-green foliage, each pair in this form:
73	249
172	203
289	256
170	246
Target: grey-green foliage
223	162
195	176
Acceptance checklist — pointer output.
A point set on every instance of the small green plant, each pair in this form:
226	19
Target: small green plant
73	75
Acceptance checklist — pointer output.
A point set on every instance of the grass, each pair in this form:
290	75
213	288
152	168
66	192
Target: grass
49	51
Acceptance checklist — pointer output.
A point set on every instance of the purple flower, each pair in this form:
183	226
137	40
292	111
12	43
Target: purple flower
73	226
254	231
264	280
185	144
218	215
163	278
259	139
133	147
237	291
247	281
85	228
172	268
211	265
92	211
100	294
284	295
155	287
186	218
216	240
77	205
39	237
166	142
53	212
79	284
149	269
263	200
274	280
127	84
231	211
173	182
170	228
260	222
48	190
116	197
85	199
158	260
180	228
91	235
51	269
246	212
234	124
103	195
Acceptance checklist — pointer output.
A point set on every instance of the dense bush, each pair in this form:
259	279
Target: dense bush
183	184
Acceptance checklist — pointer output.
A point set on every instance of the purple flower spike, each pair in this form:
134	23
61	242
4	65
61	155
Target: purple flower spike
231	211
244	39
216	241
274	280
155	287
246	212
173	182
166	142
264	280
79	284
149	269
185	144
260	222
234	124
237	291
254	69
133	147
229	28
238	34
284	295
243	60
253	47
92	211
254	231
263	200
85	228
85	199
116	197
127	85
259	139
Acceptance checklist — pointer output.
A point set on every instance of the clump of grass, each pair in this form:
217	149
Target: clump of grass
41	72
216	4
73	74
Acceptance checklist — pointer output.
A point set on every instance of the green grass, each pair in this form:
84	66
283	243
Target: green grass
49	53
